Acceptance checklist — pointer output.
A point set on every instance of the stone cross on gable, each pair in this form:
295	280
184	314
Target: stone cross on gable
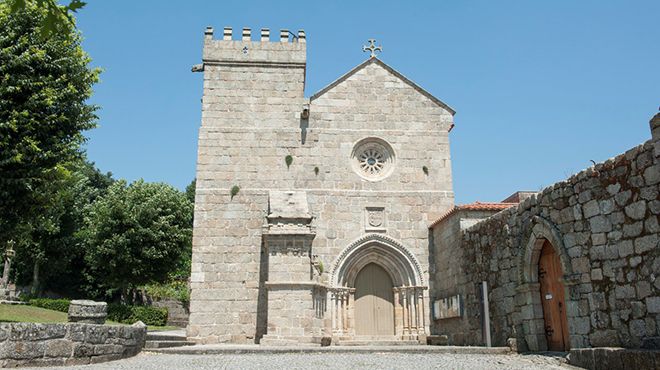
372	48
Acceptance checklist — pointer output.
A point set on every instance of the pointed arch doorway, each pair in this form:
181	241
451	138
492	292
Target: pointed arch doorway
374	302
377	291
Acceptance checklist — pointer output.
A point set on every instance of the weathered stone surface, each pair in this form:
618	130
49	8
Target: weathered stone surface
35	332
636	210
87	311
653	304
255	134
30	344
21	350
59	348
609	262
646	243
437	340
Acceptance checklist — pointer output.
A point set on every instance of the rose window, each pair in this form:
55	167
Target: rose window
373	159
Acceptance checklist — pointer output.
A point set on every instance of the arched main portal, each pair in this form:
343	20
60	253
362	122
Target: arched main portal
374	302
364	271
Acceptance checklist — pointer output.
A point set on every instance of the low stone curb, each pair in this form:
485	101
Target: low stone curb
36	344
212	349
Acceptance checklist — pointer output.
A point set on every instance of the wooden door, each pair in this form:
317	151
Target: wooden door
374	302
552	299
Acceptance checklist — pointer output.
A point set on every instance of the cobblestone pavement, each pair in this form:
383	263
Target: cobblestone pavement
332	361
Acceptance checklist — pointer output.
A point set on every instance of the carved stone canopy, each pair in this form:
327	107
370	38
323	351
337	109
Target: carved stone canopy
288	213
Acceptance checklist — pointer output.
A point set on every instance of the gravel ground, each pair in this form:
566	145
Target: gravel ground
332	361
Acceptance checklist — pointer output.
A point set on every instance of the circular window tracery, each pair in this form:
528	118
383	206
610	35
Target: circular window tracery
373	159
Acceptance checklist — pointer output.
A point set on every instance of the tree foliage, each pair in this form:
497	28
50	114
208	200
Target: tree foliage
53	245
78	233
44	87
57	17
190	191
136	234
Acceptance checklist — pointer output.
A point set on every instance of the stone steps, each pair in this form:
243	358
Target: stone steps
380	342
150	344
157	340
172	337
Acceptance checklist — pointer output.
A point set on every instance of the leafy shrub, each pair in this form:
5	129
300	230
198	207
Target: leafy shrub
61	305
127	314
119	312
150	315
174	290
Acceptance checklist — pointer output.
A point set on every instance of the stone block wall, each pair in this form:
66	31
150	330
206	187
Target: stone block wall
30	344
603	223
177	311
449	278
250	87
251	121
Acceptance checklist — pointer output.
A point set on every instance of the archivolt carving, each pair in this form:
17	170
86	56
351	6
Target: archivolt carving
397	260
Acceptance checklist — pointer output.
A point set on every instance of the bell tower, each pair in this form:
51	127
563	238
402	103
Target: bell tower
253	90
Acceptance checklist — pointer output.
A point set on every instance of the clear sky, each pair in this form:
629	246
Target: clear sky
540	87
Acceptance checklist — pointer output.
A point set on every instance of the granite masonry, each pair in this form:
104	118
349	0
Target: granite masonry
602	223
296	196
332	219
86	311
30	344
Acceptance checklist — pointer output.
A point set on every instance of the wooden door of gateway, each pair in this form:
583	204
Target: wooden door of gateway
552	299
374	302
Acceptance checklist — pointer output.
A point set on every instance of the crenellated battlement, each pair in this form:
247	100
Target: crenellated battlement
288	49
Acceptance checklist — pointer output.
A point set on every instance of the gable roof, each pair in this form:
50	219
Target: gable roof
392	71
476	206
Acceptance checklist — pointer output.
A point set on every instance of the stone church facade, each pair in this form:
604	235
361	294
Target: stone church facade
333	217
312	214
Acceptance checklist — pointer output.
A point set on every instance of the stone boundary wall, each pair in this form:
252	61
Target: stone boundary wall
177	311
31	344
603	223
606	358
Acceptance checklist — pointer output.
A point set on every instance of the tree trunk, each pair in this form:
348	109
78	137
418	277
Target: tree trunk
35	279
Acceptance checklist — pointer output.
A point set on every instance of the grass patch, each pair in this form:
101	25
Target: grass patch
25	313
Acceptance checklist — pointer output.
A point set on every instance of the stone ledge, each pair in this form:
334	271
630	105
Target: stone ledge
34	344
210	349
614	358
295	284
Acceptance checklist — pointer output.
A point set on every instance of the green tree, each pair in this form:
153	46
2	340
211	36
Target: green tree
57	17
190	191
136	234
44	86
52	255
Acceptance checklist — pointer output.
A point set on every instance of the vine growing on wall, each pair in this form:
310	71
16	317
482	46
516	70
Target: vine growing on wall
288	160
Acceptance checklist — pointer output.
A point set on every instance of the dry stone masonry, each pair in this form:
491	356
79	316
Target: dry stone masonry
30	344
603	224
87	311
